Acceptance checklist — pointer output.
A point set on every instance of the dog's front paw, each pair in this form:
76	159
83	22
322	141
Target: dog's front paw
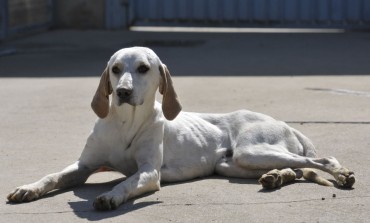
107	201
345	178
24	193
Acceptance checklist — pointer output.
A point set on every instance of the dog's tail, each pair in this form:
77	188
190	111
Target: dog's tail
308	147
311	175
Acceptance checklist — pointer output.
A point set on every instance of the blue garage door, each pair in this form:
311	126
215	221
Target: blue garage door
352	14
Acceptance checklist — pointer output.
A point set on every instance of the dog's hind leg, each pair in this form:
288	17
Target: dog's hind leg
268	179
228	168
271	157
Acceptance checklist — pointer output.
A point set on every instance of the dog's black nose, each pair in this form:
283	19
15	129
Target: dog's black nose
124	93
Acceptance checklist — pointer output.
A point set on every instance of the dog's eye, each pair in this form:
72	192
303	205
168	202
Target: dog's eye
116	70
143	69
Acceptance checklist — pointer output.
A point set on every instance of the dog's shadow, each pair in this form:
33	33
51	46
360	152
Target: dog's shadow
89	191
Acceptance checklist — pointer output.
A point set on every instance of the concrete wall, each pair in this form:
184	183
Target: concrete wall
85	14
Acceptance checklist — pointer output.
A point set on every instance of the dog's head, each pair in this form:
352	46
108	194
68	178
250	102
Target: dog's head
132	76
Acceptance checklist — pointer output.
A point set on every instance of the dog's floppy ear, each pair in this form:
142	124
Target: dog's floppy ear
100	102
171	106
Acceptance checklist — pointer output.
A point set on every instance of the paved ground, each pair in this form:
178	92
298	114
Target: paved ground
45	118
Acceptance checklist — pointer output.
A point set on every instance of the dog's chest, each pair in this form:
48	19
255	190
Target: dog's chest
122	158
122	147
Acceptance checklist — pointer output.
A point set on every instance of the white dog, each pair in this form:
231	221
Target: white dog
132	136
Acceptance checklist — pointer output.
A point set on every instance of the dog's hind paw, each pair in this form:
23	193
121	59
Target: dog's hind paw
276	178
345	178
271	180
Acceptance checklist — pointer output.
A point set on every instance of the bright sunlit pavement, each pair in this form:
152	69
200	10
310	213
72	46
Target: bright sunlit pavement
231	30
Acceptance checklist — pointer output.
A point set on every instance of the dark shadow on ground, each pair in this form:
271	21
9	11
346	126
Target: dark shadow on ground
214	177
88	192
192	54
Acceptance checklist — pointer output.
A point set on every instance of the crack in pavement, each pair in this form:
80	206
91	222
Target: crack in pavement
341	91
330	122
192	204
264	203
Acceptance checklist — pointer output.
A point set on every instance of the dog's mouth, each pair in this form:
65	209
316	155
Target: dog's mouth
124	101
130	101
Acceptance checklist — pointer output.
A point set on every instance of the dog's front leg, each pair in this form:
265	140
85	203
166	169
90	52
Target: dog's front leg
146	179
72	175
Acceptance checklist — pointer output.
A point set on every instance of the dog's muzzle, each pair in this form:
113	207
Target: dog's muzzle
124	95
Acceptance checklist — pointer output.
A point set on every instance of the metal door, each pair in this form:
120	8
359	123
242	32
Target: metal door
350	14
3	18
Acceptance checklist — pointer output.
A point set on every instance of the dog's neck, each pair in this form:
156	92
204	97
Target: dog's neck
127	113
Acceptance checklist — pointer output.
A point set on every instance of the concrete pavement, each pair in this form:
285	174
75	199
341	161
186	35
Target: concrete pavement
45	121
